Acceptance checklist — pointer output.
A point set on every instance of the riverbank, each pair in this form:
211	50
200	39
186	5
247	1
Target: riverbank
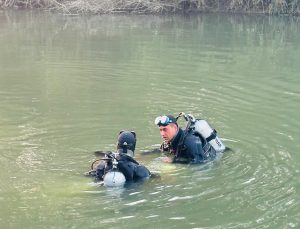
270	7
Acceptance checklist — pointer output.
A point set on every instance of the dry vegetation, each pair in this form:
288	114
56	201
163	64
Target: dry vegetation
291	7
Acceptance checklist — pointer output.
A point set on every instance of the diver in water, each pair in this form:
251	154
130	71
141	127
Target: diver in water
121	161
187	145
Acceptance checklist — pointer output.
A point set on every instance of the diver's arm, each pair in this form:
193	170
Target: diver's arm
194	149
151	151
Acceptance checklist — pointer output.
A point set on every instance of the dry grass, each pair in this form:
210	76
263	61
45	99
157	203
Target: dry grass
22	3
158	6
116	6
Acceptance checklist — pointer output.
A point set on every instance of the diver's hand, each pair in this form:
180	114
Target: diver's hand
165	146
167	159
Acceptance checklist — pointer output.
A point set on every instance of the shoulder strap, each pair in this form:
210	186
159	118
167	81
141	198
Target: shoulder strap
181	141
128	158
212	136
185	133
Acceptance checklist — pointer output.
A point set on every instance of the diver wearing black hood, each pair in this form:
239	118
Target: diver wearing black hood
126	142
130	168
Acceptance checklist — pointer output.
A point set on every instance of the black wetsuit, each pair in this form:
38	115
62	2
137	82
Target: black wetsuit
131	169
188	147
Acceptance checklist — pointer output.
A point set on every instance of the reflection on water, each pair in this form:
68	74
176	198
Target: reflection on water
68	85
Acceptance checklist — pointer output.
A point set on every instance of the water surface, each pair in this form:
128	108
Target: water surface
68	85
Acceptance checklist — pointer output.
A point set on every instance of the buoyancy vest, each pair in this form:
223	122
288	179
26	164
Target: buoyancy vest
206	153
130	168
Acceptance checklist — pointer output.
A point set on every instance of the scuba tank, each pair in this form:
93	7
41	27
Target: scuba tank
201	127
114	178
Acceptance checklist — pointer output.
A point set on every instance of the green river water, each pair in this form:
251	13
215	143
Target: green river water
69	84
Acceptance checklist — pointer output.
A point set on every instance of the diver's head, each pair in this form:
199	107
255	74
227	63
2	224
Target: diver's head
126	142
168	127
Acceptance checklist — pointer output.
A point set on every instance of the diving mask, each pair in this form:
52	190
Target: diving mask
164	120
